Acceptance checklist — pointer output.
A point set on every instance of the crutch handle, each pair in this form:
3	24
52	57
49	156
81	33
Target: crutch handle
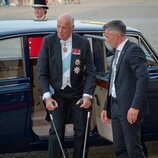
80	102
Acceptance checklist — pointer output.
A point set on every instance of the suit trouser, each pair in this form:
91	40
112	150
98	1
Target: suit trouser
79	121
126	137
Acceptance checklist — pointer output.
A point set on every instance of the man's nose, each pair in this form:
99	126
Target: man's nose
59	29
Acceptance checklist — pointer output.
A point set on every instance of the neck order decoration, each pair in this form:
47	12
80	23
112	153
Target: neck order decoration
64	47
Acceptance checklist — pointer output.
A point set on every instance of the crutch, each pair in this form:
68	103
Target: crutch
57	135
86	130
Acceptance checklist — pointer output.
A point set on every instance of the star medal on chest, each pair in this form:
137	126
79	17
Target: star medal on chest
64	47
77	66
77	62
77	70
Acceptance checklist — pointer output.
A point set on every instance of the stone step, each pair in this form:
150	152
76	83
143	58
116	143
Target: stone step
41	127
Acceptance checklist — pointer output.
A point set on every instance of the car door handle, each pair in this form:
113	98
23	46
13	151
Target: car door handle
97	100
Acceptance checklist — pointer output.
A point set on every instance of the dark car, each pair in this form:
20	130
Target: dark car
22	113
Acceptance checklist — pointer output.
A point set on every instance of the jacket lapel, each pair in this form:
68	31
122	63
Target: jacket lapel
75	45
121	56
58	55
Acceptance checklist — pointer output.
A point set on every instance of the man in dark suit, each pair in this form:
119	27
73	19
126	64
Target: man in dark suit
126	102
66	74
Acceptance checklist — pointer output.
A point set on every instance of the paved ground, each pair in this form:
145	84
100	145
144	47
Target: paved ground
140	14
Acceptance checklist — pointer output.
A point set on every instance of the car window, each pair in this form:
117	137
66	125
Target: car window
98	55
109	54
11	64
146	48
149	56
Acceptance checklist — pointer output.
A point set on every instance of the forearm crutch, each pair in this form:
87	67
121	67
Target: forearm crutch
86	133
57	135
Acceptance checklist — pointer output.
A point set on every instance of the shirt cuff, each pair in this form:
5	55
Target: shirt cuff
87	95
46	95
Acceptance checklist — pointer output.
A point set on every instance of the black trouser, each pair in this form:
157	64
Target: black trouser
126	137
78	115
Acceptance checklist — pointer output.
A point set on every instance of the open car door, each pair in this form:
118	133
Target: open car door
102	54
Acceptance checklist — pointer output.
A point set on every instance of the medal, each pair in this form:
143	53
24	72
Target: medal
77	62
77	70
64	47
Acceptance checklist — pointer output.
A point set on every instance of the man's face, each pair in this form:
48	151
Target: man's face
112	38
39	13
64	28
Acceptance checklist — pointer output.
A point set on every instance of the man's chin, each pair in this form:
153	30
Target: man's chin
59	36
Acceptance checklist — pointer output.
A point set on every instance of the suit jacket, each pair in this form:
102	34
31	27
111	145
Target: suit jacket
50	65
131	82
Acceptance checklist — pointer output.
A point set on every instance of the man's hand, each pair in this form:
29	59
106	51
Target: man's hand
132	115
104	117
51	104
85	102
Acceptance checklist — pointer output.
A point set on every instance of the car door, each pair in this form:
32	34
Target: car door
15	96
102	54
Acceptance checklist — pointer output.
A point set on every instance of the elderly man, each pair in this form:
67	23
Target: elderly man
65	65
40	9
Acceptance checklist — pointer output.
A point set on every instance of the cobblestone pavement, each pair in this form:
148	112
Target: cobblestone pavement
140	14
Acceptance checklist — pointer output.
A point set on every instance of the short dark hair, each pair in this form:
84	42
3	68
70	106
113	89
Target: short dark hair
116	25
